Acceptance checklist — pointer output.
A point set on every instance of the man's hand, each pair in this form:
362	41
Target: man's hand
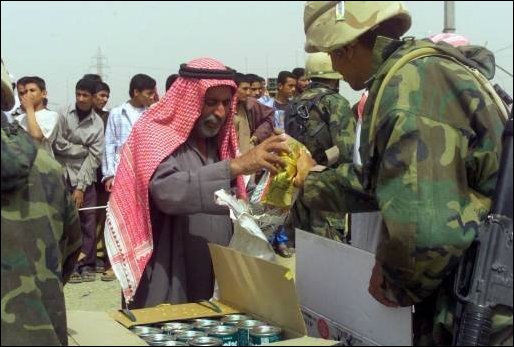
27	102
33	128
303	166
108	184
376	288
78	197
263	156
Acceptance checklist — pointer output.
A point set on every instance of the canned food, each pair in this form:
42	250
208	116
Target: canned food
244	330
172	328
234	319
205	341
264	334
169	343
144	330
205	324
225	333
156	337
186	336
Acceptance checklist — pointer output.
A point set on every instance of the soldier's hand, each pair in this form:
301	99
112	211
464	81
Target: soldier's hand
303	166
78	198
376	286
263	156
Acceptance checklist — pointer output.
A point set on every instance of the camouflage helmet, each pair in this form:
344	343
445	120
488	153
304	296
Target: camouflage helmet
320	65
7	91
329	25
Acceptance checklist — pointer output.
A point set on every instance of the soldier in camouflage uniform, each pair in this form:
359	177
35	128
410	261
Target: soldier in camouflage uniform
41	239
330	140
430	155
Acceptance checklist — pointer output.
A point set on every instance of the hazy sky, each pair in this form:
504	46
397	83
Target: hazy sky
57	40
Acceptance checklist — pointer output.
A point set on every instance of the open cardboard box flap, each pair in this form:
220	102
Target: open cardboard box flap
261	288
246	284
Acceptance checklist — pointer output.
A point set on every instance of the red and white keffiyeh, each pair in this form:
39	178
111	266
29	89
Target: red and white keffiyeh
160	131
455	40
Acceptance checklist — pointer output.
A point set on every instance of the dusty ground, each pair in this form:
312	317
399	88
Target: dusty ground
93	296
106	296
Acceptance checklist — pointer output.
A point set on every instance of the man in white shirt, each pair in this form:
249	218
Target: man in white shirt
121	120
38	121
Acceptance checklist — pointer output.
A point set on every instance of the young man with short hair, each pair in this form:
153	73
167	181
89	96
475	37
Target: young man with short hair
39	122
78	147
120	123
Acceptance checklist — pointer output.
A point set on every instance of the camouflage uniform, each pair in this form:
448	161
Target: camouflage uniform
342	135
430	168
40	243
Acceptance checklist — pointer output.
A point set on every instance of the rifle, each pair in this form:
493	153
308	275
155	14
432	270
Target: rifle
507	99
485	275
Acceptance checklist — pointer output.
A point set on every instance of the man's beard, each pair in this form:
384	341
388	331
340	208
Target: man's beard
209	126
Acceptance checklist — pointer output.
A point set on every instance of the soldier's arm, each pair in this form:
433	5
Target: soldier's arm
337	190
430	212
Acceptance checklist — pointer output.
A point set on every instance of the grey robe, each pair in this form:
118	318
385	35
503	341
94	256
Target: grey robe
184	219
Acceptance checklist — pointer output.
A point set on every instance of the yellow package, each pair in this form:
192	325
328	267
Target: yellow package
279	190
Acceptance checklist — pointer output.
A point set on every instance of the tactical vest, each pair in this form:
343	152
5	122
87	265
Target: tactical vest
308	121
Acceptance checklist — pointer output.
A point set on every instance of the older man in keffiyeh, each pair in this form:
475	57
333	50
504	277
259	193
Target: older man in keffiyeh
161	213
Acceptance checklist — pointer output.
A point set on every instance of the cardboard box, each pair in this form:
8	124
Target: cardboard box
248	285
332	282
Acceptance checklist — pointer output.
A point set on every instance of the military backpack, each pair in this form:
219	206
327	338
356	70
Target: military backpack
309	122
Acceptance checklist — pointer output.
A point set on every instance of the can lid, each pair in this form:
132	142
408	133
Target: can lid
176	327
206	324
190	334
234	317
175	324
265	330
205	341
223	330
169	343
156	337
250	323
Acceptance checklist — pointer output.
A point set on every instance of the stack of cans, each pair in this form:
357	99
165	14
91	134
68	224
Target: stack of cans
231	330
